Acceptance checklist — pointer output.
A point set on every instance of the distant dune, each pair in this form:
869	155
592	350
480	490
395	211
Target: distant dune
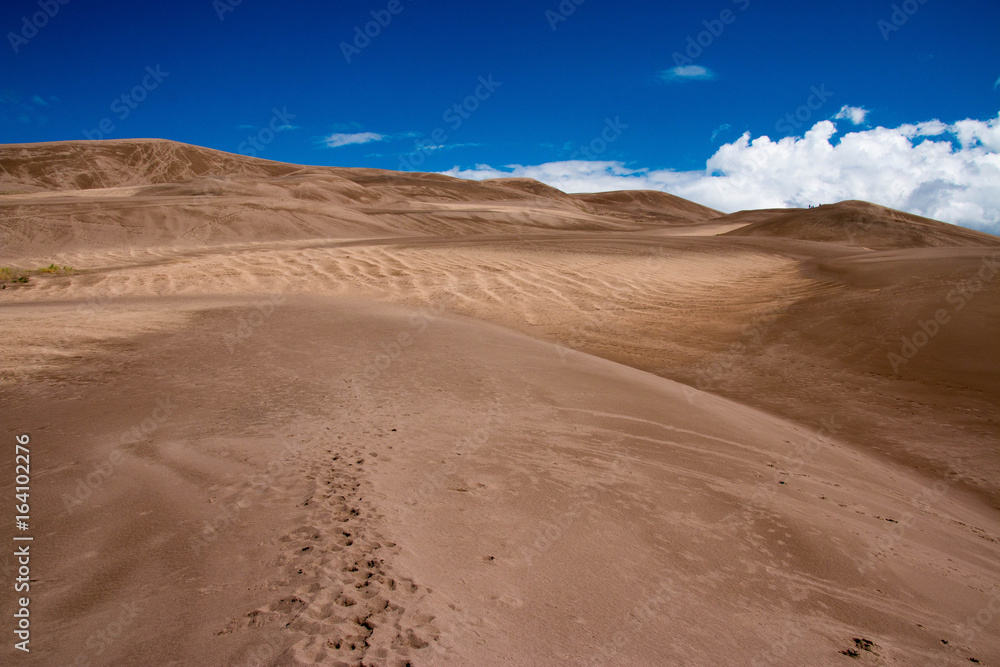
859	223
649	204
294	415
81	195
78	165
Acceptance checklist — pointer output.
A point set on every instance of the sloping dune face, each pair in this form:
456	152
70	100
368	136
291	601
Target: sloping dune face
79	165
648	204
859	223
296	415
134	196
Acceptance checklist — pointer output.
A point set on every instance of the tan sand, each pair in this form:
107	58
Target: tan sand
288	415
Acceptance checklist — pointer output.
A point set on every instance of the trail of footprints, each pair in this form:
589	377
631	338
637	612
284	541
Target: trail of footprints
348	608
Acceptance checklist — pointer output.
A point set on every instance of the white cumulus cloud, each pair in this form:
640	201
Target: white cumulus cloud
947	172
337	140
856	115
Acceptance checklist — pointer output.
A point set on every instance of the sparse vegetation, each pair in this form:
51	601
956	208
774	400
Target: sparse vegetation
53	268
12	276
17	277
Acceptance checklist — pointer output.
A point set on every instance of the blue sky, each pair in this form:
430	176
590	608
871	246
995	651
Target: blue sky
536	83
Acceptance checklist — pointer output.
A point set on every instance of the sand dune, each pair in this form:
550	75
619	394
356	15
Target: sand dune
859	223
127	195
649	205
75	165
295	415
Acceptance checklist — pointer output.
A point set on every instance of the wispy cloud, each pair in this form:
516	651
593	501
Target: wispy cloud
997	84
719	130
448	147
856	115
27	110
687	73
337	140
